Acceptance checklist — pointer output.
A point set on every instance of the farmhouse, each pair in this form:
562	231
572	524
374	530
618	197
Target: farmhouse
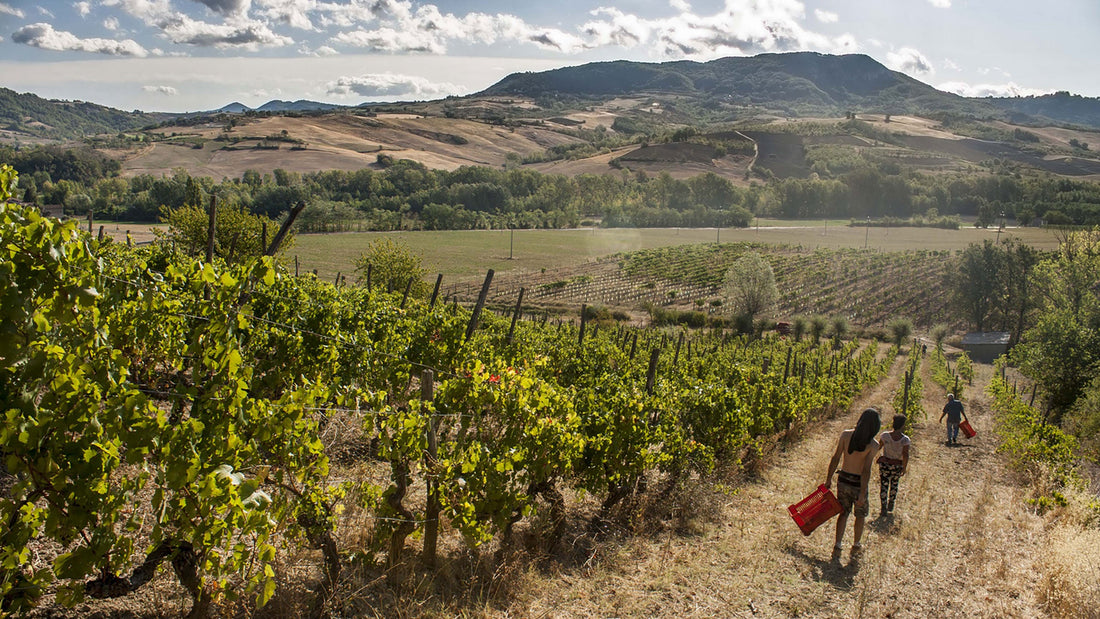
986	346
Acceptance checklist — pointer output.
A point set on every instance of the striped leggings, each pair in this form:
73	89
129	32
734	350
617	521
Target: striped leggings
888	488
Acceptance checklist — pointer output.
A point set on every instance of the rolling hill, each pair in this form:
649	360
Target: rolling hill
1060	107
27	115
795	83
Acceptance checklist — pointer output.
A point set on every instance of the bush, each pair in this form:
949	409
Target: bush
391	266
900	330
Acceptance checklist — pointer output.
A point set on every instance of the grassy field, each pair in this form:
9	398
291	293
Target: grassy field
466	254
462	255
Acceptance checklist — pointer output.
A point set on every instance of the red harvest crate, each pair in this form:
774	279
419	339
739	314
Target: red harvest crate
970	432
814	510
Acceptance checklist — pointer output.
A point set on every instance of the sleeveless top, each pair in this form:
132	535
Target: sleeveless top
893	449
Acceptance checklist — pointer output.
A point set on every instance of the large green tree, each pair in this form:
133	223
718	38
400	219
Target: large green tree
1062	351
749	286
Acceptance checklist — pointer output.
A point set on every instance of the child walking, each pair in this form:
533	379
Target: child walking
892	464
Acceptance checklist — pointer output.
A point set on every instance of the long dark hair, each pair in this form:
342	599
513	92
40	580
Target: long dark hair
866	429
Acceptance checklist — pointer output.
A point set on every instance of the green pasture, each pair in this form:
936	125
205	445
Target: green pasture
462	255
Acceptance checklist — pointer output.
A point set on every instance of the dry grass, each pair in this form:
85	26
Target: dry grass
1070	585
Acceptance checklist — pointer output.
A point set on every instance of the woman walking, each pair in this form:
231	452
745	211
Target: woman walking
892	464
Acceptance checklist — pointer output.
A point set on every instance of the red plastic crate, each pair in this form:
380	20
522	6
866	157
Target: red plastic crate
814	510
969	431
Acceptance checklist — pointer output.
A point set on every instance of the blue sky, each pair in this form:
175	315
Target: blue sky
187	55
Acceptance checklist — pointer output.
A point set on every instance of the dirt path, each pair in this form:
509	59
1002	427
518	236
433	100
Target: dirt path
961	544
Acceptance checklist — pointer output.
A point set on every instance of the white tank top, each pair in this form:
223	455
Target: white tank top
893	449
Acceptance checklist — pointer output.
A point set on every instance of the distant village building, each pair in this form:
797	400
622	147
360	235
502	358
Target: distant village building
52	210
986	347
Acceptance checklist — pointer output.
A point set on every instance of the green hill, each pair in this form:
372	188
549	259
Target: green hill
30	115
794	83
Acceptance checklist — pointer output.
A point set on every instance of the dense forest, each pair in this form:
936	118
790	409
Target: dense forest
403	194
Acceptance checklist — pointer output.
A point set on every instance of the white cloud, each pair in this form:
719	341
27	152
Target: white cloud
990	90
44	11
110	23
248	35
390	85
940	4
294	13
43	36
83	8
264	93
227	7
11	10
826	17
680	5
909	61
390	40
427	30
149	11
950	64
742	27
163	90
237	31
320	52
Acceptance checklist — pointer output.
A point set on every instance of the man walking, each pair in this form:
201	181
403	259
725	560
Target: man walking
953	410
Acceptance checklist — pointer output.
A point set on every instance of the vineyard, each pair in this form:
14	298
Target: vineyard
160	409
866	287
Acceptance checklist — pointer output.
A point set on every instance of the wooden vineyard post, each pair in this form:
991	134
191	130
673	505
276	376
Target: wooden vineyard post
285	228
676	357
431	512
515	316
470	328
633	346
263	237
100	237
905	395
787	365
584	321
435	292
405	297
651	374
295	265
956	384
336	282
1034	390
210	229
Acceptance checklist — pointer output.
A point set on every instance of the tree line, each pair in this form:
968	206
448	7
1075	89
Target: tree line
402	194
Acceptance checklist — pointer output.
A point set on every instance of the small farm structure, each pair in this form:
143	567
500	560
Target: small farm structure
986	346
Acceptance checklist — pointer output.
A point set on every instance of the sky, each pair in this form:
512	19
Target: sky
192	55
